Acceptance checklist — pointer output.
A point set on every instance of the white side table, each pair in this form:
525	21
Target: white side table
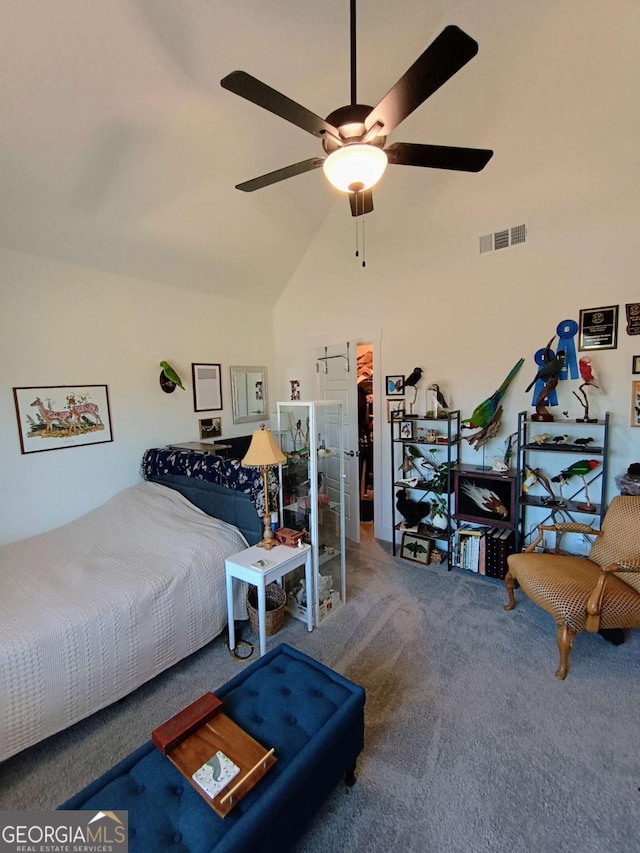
283	559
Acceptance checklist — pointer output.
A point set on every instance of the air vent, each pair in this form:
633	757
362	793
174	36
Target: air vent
503	239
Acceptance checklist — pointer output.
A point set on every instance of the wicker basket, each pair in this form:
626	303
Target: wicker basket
275	600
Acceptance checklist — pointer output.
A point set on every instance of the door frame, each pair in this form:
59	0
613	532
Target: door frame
366	335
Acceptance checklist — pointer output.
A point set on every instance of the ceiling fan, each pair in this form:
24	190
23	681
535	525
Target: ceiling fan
353	137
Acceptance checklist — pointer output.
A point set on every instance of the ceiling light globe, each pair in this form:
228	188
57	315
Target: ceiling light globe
355	167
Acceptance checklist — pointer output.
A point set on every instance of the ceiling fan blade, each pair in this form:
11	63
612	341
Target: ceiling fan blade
280	175
361	202
438	156
441	60
243	84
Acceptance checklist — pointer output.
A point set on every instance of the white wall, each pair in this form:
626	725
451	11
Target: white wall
62	324
555	98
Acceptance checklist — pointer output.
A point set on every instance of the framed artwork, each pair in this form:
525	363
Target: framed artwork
210	428
598	328
415	548
635	404
406	429
635	364
484	497
395	409
207	387
52	417
394	386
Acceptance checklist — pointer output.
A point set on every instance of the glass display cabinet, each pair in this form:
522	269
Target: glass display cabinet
312	499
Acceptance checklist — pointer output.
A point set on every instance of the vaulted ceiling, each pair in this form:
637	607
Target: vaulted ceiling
119	150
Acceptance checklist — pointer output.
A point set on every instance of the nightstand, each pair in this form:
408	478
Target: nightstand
280	560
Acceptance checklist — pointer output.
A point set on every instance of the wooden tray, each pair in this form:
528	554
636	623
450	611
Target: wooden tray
221	733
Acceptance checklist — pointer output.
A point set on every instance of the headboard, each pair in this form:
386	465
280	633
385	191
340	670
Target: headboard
234	507
220	487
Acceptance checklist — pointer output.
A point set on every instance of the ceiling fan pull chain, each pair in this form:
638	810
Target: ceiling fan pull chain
364	263
356	219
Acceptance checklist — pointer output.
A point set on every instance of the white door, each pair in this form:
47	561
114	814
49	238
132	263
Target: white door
337	380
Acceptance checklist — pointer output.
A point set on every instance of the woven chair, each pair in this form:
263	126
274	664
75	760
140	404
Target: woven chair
597	593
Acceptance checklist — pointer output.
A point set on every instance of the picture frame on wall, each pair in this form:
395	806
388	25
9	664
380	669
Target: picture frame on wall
416	548
598	328
209	428
53	417
635	364
394	385
207	387
635	403
395	409
485	498
406	429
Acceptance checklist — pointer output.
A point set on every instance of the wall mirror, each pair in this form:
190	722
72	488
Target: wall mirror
249	394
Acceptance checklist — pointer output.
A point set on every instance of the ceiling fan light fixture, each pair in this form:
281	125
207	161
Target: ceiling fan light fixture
355	167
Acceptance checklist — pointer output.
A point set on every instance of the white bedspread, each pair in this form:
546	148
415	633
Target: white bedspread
92	610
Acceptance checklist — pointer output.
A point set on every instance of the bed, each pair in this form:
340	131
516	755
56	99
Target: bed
93	609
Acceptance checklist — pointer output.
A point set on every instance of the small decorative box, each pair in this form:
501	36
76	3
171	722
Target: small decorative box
288	536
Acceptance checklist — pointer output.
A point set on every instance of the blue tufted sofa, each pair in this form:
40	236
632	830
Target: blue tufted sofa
311	715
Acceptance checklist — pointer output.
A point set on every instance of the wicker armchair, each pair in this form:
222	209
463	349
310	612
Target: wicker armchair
593	594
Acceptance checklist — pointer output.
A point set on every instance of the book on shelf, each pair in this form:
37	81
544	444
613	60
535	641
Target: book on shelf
500	544
468	548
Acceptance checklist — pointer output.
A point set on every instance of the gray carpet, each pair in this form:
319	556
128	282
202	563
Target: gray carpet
472	743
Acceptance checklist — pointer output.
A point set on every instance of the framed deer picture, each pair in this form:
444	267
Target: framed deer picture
52	417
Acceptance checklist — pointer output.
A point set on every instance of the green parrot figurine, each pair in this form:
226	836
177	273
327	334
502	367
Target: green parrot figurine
171	375
578	469
483	413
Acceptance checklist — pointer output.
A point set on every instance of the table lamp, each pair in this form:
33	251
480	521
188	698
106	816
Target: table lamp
264	453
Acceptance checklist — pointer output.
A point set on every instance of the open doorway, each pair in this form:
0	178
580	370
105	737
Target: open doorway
365	430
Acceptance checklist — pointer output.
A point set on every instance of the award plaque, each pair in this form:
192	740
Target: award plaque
599	328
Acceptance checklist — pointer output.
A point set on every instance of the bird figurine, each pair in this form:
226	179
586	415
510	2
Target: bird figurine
578	469
550	370
586	371
413	378
411	511
412	382
483	413
560	439
169	374
588	381
582	442
435	399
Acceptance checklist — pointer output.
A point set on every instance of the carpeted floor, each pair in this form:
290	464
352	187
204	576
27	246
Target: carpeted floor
472	743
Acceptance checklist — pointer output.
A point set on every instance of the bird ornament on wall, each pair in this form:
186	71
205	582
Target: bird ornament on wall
169	379
487	415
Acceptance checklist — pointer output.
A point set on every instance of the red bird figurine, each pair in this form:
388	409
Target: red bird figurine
586	371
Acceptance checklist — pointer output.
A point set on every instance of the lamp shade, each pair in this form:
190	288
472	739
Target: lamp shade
263	451
355	167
